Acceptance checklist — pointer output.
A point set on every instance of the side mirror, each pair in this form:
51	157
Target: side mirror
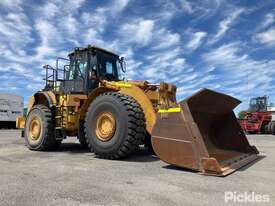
122	64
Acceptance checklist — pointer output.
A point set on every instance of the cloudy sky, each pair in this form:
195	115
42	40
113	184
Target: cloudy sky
228	46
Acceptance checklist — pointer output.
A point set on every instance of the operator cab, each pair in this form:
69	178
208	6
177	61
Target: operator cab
87	67
258	104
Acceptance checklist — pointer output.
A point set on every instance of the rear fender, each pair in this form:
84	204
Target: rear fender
132	91
145	103
45	98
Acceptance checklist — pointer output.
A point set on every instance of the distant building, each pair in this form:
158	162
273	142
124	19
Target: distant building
11	106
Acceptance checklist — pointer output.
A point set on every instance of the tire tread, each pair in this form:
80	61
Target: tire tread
136	127
48	142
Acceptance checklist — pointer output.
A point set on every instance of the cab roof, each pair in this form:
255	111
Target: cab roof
92	48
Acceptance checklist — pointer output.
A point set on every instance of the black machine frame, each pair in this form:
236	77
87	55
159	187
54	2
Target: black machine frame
94	71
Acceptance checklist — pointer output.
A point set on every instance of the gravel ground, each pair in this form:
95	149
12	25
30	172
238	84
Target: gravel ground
73	176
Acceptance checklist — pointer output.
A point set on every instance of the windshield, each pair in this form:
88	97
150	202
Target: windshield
258	104
108	66
253	102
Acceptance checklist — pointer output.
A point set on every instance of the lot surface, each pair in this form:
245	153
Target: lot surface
74	176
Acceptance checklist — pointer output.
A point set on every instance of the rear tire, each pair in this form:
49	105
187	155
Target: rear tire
39	129
272	128
249	132
269	127
129	125
266	129
81	135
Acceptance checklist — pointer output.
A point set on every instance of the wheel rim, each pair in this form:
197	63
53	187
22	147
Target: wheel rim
105	126
35	128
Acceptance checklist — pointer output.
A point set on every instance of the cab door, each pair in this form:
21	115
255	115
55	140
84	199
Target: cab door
75	79
93	74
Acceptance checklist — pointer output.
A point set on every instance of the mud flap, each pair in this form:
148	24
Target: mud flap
203	134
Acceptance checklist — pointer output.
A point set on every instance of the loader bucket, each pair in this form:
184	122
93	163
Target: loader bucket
203	134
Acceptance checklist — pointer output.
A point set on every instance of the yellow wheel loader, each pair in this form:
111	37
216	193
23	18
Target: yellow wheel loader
113	117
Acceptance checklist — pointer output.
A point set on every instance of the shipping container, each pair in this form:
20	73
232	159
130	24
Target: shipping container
11	106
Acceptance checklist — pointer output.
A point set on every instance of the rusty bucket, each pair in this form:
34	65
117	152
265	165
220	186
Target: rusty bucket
203	134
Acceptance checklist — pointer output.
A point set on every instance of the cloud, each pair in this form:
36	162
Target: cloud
225	24
14	5
139	32
49	37
194	84
198	11
163	64
154	38
196	40
27	43
202	10
239	73
12	27
267	37
186	6
162	41
165	39
96	21
269	19
119	5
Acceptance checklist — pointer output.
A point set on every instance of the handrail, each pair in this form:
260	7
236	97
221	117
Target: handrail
52	73
57	68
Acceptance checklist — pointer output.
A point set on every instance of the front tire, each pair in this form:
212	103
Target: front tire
148	143
114	125
39	129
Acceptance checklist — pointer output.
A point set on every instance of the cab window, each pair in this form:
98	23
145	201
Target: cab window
107	65
109	68
71	73
78	67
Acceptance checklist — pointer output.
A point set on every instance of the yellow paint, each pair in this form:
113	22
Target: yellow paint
123	84
30	103
68	111
91	97
170	110
40	99
105	126
35	128
73	100
20	122
52	96
71	109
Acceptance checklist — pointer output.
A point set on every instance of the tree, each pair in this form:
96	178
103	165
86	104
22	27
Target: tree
242	114
25	112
